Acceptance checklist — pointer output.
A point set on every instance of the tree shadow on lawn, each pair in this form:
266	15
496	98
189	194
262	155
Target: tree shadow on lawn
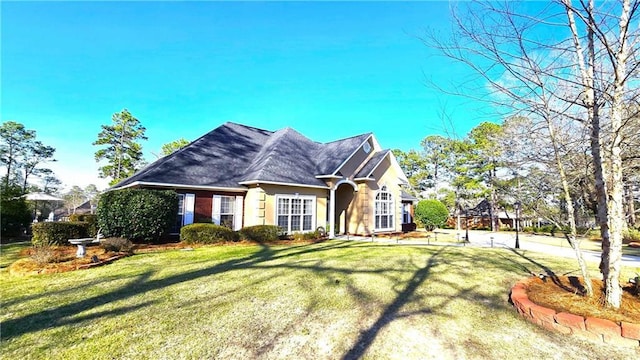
405	292
548	272
391	312
59	316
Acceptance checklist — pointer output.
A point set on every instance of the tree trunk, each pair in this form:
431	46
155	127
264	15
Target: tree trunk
631	206
615	203
572	236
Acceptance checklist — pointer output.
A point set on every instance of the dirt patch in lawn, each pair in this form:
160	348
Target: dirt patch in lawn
565	294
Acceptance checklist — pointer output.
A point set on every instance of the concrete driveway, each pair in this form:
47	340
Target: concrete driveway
508	240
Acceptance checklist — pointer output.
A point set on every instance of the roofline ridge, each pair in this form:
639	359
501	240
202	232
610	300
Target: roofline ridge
244	126
350	137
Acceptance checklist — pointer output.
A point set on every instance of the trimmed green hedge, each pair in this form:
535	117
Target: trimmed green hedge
58	233
261	233
314	235
90	219
140	215
202	233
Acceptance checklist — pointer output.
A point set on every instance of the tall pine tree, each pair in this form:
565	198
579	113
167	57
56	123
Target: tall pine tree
123	152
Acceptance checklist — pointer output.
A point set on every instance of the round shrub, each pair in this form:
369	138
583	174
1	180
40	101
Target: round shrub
261	233
431	213
202	233
58	233
141	215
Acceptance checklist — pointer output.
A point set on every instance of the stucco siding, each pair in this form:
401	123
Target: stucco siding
254	209
353	164
271	191
387	175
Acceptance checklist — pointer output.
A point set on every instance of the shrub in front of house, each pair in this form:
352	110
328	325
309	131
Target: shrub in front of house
140	215
116	244
431	213
58	233
202	233
314	235
261	233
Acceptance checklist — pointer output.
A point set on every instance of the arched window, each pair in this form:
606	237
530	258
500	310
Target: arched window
384	210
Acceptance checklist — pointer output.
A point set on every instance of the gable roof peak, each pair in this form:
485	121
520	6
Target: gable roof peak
363	135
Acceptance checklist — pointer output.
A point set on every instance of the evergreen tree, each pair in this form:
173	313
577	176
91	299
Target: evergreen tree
123	152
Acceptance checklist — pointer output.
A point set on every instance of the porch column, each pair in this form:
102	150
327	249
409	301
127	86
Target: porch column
332	213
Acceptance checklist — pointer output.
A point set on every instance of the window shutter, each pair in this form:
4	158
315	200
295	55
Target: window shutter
237	216
189	205
215	211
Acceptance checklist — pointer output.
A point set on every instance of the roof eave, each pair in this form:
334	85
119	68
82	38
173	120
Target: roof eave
378	164
181	186
258	182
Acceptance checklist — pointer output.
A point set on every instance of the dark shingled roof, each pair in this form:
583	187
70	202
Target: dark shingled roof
286	157
333	154
233	154
368	168
407	197
482	209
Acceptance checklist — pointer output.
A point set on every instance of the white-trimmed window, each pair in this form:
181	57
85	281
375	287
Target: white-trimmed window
186	204
295	213
384	209
227	211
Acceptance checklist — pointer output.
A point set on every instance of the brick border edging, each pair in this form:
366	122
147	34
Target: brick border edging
624	333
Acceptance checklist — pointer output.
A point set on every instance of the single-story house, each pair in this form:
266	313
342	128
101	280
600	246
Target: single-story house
240	176
63	213
480	217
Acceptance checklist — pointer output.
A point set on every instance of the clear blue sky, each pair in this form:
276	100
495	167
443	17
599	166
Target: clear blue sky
329	70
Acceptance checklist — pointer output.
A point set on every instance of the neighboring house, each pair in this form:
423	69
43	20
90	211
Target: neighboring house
64	213
479	217
241	176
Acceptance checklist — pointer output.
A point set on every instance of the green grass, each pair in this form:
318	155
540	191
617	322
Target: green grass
11	252
330	300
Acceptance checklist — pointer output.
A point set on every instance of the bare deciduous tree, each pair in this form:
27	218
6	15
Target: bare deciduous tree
534	63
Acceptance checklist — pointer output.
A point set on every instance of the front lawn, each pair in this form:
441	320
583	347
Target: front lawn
10	252
329	300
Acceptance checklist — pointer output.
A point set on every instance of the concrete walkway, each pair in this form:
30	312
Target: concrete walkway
499	239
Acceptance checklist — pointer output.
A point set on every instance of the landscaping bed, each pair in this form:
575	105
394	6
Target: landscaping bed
57	259
564	294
